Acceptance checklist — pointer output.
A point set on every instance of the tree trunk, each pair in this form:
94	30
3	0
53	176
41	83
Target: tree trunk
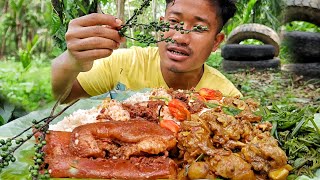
131	29
5	7
154	13
3	39
120	15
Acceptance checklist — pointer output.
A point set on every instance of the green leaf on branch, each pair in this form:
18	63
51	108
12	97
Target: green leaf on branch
55	23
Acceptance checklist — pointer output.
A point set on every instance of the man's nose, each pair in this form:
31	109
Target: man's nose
181	37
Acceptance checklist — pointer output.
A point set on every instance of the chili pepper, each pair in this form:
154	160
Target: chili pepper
210	94
170	124
179	110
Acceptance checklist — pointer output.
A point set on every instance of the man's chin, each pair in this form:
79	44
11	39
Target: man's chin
174	66
175	69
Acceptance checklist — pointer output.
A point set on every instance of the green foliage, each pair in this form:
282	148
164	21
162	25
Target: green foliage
21	21
25	55
30	89
215	60
6	110
301	26
251	42
66	10
267	12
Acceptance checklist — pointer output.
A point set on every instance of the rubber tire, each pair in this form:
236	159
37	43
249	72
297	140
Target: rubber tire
255	31
237	52
306	69
233	66
302	10
303	47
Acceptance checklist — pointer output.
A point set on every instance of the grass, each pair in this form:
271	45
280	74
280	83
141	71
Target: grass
271	86
278	87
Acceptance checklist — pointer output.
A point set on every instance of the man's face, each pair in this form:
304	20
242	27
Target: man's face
191	50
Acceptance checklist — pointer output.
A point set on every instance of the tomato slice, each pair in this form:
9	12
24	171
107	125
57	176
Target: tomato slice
179	110
170	124
199	97
210	94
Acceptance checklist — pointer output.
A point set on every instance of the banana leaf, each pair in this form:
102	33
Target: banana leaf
19	170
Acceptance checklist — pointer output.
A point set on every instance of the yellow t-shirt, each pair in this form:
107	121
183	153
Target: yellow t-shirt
137	68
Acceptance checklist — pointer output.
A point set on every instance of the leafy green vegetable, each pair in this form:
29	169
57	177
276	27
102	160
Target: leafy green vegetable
231	110
298	134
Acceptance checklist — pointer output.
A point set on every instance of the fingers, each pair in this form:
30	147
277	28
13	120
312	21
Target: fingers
92	37
92	43
94	31
96	19
90	55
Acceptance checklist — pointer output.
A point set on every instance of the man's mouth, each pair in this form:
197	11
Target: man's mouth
178	53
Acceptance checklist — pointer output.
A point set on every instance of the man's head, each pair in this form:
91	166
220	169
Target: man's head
225	9
189	51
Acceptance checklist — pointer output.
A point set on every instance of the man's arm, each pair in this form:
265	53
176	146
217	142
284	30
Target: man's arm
88	38
64	82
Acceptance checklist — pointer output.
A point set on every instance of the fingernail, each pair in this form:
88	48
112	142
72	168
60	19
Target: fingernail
119	22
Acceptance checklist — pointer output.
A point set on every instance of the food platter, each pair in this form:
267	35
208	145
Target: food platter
19	169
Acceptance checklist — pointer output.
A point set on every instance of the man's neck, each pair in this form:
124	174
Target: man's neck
182	80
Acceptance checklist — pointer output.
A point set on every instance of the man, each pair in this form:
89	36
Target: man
179	65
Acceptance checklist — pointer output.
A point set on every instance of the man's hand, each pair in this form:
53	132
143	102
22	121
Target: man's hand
92	37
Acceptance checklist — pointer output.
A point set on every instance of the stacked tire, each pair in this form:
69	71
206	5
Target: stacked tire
303	47
238	57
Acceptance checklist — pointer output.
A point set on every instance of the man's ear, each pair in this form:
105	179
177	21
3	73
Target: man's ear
161	18
218	40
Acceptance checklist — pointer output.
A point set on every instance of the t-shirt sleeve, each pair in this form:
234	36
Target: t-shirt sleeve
105	72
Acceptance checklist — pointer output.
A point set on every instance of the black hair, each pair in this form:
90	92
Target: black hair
225	8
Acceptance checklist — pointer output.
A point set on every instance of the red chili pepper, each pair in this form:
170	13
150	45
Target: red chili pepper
179	110
171	125
210	94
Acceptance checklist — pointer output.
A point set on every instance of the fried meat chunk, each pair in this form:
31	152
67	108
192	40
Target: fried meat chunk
62	163
264	153
140	137
231	166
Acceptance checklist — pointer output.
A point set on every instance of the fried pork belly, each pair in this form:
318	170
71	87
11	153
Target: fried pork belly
134	168
137	136
63	163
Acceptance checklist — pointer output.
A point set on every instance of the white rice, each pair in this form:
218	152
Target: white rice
76	119
113	109
137	98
